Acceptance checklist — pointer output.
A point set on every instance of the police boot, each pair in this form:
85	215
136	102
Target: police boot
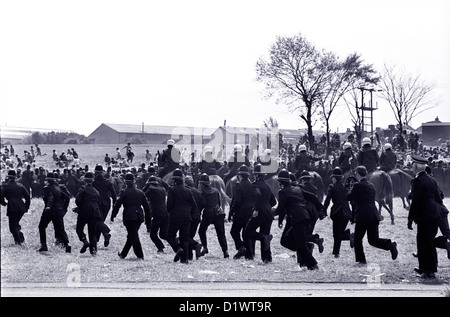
68	248
241	252
43	248
319	242
85	245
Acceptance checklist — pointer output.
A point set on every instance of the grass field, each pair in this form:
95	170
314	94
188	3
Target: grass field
24	264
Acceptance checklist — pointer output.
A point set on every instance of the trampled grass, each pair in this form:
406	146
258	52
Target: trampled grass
25	264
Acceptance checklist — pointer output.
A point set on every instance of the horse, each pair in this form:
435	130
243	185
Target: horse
384	191
401	182
317	181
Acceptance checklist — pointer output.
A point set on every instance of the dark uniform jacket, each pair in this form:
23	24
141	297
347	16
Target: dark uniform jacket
17	197
133	200
291	202
337	194
211	200
303	161
198	197
180	203
156	196
170	157
106	190
388	160
362	196
88	203
237	160
368	157
265	199
243	200
313	204
56	198
426	199
209	168
344	160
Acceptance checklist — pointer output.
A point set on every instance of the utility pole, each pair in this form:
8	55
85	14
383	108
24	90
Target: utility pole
369	109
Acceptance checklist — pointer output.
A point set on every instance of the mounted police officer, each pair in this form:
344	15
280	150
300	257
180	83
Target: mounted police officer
88	201
388	159
208	165
170	158
235	162
367	156
303	160
347	159
241	209
17	199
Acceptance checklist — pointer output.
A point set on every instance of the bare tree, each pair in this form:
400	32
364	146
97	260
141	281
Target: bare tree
407	95
343	77
295	75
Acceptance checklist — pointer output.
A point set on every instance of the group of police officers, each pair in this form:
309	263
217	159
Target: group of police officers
176	213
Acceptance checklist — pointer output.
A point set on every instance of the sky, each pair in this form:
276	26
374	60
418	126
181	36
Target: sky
76	64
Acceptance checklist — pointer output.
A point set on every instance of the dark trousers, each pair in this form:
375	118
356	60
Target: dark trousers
102	228
339	232
440	241
158	230
236	231
184	229
219	225
14	226
426	250
92	231
251	235
310	235
372	236
192	242
58	225
304	254
132	239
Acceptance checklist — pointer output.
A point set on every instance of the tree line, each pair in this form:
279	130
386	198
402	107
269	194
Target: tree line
314	82
55	138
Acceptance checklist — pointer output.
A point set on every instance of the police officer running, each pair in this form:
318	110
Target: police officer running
136	210
56	201
17	199
89	213
261	218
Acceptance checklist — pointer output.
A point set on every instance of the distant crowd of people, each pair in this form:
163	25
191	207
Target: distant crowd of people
176	201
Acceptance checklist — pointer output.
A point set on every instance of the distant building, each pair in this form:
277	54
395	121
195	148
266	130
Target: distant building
433	131
220	139
109	133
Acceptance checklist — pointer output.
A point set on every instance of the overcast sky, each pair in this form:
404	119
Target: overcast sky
76	64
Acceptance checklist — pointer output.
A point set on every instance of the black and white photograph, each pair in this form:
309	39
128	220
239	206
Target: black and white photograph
234	156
